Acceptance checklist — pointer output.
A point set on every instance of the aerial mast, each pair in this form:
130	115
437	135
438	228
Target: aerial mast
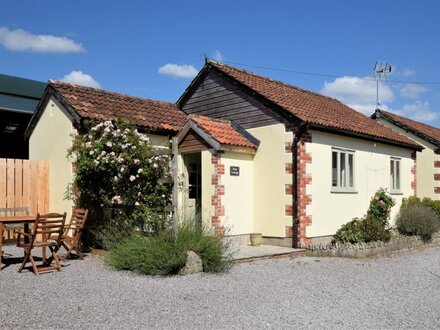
381	69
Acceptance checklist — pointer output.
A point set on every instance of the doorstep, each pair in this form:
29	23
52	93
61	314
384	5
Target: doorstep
250	253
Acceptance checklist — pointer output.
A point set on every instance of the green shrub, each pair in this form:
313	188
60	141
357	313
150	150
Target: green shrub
201	238
165	254
373	226
374	229
415	219
118	168
362	230
433	204
351	232
147	255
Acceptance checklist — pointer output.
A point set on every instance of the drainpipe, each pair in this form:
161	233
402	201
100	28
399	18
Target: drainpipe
295	221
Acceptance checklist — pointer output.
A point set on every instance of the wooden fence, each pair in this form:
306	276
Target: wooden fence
24	183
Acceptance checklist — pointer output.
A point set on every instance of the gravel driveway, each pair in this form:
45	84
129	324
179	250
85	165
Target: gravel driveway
398	292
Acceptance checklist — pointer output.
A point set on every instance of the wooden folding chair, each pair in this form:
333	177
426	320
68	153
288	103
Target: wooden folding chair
46	233
72	233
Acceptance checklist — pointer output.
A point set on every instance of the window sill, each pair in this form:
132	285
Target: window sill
343	191
396	193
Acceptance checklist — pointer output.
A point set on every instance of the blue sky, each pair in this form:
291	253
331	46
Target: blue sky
152	49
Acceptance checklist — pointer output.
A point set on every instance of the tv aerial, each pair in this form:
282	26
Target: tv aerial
381	71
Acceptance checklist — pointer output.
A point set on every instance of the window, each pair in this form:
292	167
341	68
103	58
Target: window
395	175
342	170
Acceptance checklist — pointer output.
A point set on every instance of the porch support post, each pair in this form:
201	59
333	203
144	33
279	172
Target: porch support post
175	174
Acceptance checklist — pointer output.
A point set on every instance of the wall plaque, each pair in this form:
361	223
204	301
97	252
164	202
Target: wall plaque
234	170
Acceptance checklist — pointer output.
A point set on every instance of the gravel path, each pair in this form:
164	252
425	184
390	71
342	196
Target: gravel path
398	292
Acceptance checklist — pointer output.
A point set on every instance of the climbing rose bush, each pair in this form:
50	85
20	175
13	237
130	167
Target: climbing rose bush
117	168
380	205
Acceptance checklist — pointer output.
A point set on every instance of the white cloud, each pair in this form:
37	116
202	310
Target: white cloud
412	91
218	56
179	71
81	78
419	111
20	40
357	90
408	72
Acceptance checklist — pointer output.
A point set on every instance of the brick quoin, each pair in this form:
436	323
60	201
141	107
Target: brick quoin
219	191
437	164
414	173
304	179
436	190
436	176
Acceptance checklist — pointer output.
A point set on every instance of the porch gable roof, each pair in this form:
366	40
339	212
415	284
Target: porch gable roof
221	135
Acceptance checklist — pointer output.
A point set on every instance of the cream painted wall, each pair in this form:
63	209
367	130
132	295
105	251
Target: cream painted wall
372	170
49	141
270	180
208	170
425	163
238	201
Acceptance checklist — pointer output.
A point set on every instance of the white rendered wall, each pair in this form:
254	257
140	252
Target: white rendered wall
330	210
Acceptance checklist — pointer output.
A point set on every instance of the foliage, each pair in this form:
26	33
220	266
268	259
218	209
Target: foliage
417	219
117	169
165	254
350	232
433	204
380	205
374	229
373	226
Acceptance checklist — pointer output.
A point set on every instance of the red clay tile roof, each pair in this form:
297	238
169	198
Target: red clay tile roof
94	103
430	132
222	131
313	108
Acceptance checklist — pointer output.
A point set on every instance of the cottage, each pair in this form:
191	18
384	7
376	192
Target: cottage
62	111
428	161
288	163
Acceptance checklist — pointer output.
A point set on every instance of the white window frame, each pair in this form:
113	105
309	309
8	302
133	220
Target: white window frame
395	163
339	188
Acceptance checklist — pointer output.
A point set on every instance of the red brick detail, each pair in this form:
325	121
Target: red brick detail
219	191
288	168
436	176
289	231
436	190
304	179
414	173
288	210
288	190
437	164
288	147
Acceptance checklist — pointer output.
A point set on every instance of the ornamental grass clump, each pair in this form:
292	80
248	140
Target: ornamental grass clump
374	226
166	252
416	219
119	177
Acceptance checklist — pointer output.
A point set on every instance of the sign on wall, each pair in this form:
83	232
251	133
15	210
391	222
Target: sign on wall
234	170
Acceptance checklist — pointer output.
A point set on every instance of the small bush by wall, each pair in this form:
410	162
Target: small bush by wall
417	219
165	254
373	226
432	204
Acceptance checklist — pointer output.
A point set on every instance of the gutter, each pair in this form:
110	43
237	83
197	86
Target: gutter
295	221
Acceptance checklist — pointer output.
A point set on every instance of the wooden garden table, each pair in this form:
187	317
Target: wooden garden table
25	219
